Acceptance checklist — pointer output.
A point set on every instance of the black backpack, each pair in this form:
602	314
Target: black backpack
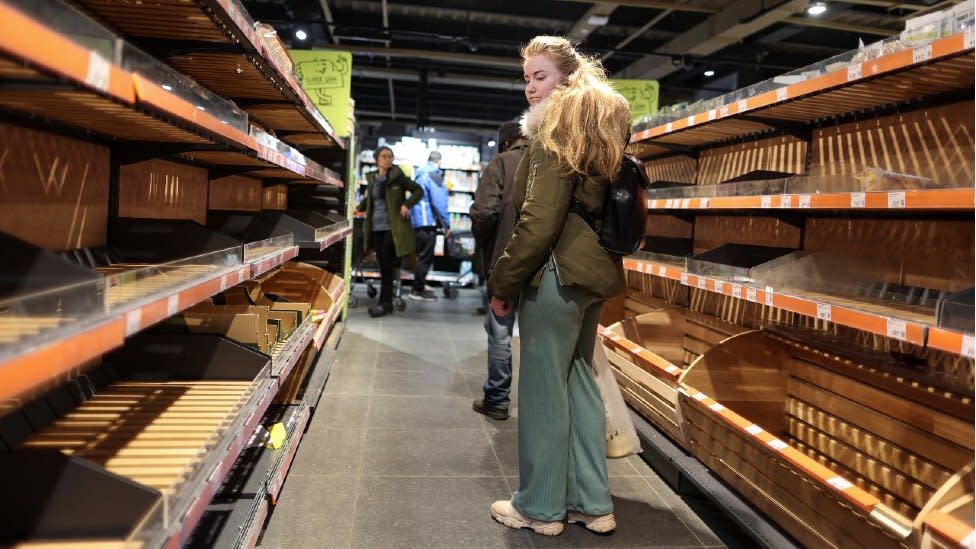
621	230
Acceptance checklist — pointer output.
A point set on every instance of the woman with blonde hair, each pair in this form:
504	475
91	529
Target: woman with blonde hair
555	268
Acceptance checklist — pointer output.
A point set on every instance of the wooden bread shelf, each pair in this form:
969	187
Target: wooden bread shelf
929	199
243	70
63	351
886	321
944	66
115	103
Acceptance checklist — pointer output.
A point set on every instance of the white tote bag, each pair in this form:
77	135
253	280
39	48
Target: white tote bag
622	438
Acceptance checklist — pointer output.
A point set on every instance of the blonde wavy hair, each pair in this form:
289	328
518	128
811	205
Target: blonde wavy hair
586	122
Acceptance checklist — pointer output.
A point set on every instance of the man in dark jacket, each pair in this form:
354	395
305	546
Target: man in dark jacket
493	219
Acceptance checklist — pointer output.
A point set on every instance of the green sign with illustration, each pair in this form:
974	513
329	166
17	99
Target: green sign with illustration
641	94
326	76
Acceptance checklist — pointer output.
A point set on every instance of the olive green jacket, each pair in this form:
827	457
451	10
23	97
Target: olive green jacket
397	186
546	228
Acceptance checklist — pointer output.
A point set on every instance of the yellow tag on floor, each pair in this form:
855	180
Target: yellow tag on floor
278	436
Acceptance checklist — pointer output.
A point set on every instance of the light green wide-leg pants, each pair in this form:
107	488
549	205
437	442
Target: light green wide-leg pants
561	419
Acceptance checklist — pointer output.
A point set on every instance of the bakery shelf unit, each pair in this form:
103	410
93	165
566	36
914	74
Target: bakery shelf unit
152	308
800	319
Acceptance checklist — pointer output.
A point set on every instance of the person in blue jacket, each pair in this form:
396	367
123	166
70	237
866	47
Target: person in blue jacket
425	216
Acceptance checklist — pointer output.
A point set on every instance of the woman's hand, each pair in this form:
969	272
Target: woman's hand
500	307
404	211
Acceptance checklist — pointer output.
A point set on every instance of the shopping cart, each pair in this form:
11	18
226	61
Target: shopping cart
459	245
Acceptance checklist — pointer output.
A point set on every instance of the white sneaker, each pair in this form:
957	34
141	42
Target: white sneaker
601	524
504	512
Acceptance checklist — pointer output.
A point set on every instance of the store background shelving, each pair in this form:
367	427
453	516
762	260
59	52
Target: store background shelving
125	154
833	212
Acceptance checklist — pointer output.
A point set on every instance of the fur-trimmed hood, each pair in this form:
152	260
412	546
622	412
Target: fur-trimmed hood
533	116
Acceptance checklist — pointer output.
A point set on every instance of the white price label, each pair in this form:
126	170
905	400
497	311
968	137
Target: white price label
719	286
703	202
967	40
766	202
652	204
133	319
752	295
754	429
737	291
777	444
686	203
742	105
724	111
691	121
921	54
858	200
716	407
662	271
804	201
824	311
840	483
669	203
712	114
769	295
896	199
223	283
782	94
968	346
897	329
172	305
854	72
99	72
684	279
669	127
703	283
786	201
699	396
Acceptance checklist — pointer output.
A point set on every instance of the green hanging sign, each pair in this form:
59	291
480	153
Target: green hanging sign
641	94
326	76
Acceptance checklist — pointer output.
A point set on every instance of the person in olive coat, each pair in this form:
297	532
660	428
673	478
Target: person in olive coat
560	276
387	227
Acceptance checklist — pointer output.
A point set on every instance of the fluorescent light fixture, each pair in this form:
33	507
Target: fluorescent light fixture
301	34
817	8
709	73
491	143
597	20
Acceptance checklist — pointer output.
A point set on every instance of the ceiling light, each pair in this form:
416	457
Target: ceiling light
817	8
709	73
301	34
597	20
167	87
491	143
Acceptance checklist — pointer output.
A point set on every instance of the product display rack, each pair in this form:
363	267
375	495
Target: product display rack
121	157
799	323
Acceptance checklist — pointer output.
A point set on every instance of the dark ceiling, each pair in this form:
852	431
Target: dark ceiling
467	50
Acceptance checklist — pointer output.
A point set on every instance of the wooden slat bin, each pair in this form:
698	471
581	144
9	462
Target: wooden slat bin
331	282
163	409
298	287
947	520
646	353
840	454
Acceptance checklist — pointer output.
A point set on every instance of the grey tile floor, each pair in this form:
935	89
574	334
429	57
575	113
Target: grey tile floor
394	457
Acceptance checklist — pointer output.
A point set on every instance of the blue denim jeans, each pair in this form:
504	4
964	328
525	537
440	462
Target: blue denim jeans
499	383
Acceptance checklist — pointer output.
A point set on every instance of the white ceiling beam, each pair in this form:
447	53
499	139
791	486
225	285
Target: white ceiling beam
597	16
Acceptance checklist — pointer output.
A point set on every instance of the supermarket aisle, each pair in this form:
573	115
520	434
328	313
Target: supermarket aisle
395	457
